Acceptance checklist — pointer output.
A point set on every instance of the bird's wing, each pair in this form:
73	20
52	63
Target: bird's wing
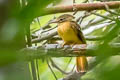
78	31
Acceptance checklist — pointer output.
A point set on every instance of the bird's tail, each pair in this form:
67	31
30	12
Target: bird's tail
82	64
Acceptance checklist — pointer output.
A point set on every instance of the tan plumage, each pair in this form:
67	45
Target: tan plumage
71	34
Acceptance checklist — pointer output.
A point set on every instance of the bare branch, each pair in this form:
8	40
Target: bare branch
50	35
81	7
52	70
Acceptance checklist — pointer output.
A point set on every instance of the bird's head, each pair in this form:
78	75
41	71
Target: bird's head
63	18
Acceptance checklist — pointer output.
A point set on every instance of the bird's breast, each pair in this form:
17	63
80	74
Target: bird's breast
66	32
64	28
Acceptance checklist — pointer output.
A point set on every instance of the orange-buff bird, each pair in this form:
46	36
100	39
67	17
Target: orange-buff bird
71	34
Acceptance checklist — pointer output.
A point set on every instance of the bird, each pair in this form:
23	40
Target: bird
70	32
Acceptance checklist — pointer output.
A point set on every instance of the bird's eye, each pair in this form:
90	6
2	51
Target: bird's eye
61	19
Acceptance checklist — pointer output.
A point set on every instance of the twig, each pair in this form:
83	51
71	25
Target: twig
80	19
88	25
37	67
43	27
54	65
45	37
38	22
73	68
111	12
51	70
94	22
103	16
49	29
74	9
93	28
68	64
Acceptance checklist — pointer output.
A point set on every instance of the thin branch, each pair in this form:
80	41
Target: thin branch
96	27
52	70
105	17
34	75
50	35
94	22
74	8
80	19
94	38
54	65
68	64
38	22
73	68
111	12
37	67
49	29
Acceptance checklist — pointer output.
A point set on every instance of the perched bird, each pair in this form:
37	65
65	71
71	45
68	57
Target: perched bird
71	34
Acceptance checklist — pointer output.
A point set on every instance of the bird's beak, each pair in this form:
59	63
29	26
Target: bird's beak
53	21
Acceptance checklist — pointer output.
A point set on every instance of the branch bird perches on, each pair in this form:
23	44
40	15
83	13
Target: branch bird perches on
55	50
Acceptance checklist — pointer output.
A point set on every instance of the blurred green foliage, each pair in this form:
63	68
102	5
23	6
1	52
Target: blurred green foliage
14	18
